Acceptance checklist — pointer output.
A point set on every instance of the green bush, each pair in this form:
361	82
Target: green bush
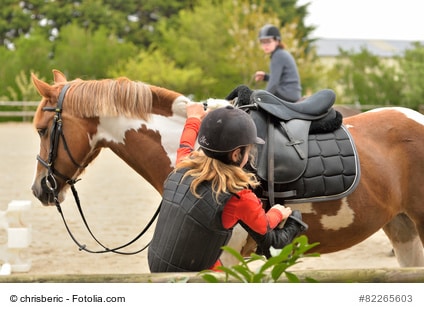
270	271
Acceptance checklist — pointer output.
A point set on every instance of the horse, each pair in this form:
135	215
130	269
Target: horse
142	124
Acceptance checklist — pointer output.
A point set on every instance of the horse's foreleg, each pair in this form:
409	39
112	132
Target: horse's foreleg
405	240
237	242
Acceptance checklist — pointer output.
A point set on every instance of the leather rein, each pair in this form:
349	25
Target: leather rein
55	135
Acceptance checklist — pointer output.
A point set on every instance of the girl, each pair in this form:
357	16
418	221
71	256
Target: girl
208	193
283	79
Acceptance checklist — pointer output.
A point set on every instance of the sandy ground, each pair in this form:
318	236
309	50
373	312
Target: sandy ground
118	203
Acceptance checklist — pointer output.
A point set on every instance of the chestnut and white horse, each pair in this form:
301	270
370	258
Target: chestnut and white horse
142	124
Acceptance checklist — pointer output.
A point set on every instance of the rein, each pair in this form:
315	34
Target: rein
55	135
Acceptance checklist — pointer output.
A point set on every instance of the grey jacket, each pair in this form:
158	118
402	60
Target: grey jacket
283	79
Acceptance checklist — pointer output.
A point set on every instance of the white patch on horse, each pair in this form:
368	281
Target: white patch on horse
409	253
344	218
413	115
303	207
409	113
170	128
114	129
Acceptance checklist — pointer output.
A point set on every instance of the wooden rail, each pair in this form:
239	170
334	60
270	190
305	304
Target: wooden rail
28	108
372	275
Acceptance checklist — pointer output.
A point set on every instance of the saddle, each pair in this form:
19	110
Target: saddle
308	154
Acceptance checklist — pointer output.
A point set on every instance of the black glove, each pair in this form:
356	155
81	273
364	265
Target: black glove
242	93
278	238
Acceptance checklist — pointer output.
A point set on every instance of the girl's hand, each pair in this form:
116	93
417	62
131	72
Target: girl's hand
196	110
285	211
259	75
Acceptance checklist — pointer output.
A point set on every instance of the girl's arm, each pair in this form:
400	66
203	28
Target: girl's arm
195	114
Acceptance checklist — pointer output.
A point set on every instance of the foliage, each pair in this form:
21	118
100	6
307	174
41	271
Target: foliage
26	89
157	68
205	50
245	19
199	43
80	53
26	92
198	47
367	79
32	54
270	271
131	20
218	55
413	69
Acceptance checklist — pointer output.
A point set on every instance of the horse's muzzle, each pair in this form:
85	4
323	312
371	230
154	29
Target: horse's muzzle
43	190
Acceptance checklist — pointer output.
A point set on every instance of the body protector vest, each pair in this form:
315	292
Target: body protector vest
189	232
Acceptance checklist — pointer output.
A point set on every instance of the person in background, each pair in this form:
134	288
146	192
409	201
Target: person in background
283	79
209	192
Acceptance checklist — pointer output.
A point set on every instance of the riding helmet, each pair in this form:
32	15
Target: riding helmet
269	31
226	129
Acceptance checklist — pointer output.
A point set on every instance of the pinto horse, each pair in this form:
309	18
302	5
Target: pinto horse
142	125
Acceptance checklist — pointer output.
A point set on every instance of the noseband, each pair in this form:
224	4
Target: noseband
55	135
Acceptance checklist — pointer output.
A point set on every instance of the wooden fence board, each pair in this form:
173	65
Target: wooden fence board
382	275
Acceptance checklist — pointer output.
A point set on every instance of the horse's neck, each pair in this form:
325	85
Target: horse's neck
167	102
147	147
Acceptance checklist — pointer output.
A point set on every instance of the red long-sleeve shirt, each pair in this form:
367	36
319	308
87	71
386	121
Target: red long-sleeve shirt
247	207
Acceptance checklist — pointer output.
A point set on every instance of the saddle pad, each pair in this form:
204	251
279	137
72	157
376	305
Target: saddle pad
332	170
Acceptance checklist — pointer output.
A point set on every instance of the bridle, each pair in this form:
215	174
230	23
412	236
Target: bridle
56	134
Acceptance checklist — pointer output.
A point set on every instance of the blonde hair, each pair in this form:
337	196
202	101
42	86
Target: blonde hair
224	178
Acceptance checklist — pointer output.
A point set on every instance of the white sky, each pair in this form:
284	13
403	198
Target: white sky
366	19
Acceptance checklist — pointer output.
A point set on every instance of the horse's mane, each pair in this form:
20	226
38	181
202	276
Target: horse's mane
109	97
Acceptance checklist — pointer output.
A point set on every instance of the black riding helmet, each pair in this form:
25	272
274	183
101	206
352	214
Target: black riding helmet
269	31
226	129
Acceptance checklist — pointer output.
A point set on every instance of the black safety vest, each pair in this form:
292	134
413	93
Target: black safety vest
189	232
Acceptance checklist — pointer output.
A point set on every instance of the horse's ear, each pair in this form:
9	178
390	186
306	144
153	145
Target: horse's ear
59	77
44	89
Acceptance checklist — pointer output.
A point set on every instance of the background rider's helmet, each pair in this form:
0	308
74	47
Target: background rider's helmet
269	31
226	129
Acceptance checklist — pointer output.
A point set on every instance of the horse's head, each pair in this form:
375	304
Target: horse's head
76	119
64	142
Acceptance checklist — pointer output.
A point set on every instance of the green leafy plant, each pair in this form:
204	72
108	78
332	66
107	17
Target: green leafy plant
248	271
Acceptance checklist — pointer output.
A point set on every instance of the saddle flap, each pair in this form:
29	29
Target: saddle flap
311	108
286	148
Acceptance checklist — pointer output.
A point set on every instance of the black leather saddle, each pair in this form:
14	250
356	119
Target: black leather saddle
312	108
308	155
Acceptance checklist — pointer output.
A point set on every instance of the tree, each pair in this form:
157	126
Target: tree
32	54
131	20
194	50
156	68
366	79
413	68
206	49
216	43
81	53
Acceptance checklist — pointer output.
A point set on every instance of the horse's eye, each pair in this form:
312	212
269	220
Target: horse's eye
41	131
